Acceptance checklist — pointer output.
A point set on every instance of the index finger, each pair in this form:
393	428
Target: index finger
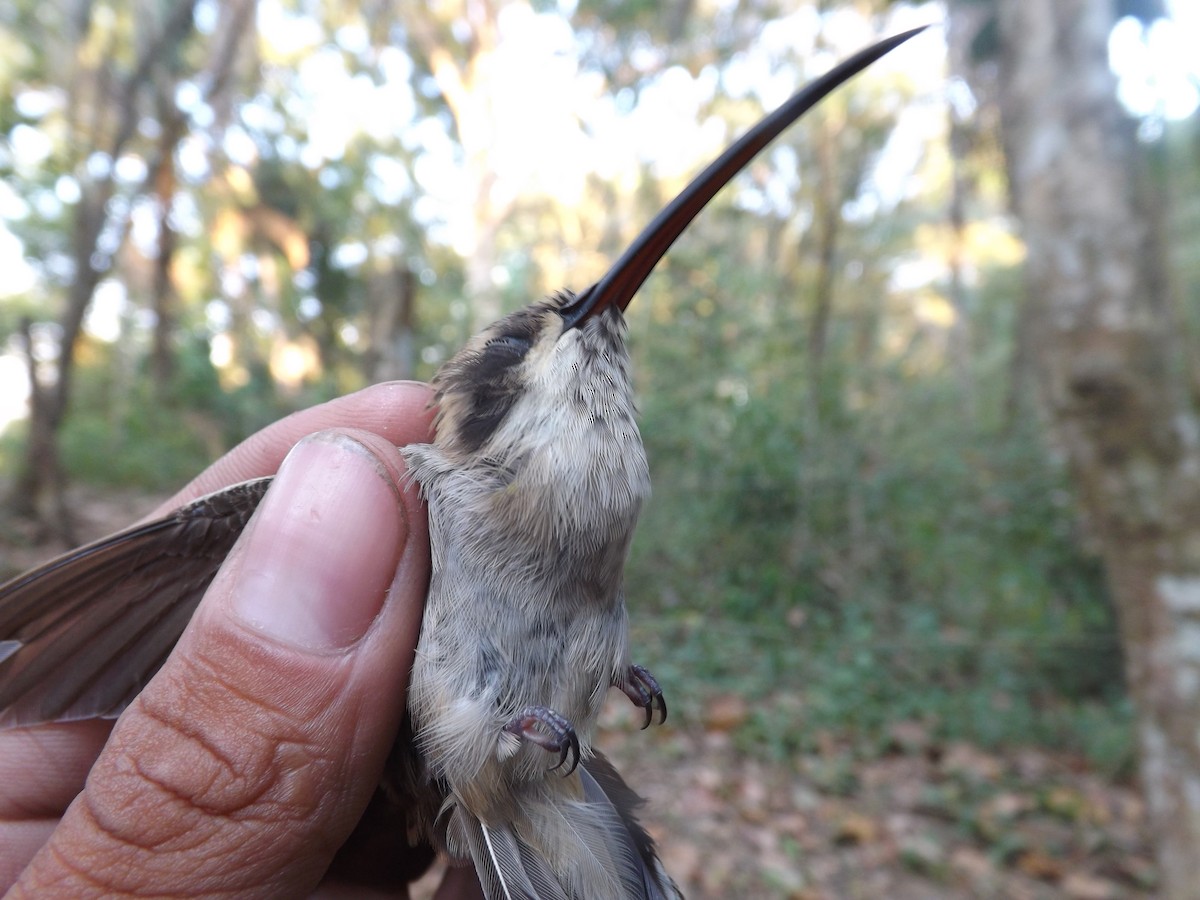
399	411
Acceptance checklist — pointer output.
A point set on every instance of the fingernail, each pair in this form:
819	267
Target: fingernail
321	551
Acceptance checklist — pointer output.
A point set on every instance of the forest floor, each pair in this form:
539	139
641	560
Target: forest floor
921	821
917	819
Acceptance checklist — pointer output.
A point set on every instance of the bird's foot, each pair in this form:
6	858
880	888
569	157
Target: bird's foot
643	689
543	726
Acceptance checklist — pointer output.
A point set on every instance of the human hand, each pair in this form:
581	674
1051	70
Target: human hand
248	760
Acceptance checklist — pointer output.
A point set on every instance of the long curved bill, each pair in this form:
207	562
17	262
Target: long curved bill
621	282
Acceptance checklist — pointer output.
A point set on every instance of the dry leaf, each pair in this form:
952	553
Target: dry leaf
1037	864
855	828
726	712
1079	886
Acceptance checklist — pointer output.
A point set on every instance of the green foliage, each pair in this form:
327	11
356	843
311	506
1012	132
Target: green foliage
125	431
145	447
889	558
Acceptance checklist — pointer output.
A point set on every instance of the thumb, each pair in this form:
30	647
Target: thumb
245	763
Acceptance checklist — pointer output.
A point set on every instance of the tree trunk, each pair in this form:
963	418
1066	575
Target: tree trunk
1102	346
42	464
42	472
163	298
391	352
40	487
827	221
960	190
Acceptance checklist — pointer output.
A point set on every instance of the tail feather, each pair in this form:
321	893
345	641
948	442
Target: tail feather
602	784
506	868
585	843
588	846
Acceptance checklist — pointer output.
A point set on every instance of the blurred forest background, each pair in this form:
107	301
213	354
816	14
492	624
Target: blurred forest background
875	557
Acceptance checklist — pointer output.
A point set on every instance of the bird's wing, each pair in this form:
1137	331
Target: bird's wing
83	633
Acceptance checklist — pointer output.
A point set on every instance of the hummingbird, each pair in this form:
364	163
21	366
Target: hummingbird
533	485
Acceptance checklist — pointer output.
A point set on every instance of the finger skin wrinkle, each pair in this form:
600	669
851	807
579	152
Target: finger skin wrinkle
209	825
267	768
247	794
87	876
77	876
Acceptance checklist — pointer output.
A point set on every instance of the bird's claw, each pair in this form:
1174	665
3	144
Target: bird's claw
643	689
555	734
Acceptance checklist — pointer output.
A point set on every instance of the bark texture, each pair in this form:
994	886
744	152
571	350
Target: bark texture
1103	348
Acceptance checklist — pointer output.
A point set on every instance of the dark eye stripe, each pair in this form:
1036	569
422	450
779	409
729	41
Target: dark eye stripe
489	405
488	377
513	343
490	366
493	386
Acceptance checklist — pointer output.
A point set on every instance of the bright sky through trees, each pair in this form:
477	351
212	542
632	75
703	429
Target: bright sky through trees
561	125
1158	65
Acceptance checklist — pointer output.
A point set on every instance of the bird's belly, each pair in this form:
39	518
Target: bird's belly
480	664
